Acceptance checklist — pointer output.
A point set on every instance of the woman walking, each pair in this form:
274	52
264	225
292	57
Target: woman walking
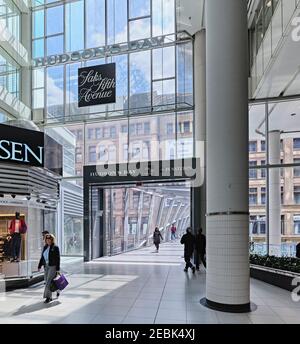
156	238
50	260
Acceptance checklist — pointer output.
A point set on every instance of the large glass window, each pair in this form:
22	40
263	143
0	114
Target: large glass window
95	23
140	81
116	21
72	218
163	17
55	20
253	196
55	45
149	137
69	27
278	124
9	76
75	26
55	91
297	194
296	143
10	18
185	86
139	29
296	219
38	18
139	8
252	146
253	171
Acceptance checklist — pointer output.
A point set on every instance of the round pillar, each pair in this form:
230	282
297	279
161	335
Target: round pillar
228	277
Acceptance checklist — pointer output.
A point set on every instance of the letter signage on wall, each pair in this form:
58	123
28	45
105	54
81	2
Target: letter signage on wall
108	50
97	85
21	146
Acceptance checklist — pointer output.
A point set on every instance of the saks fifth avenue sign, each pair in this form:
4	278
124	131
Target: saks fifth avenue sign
101	52
97	85
21	146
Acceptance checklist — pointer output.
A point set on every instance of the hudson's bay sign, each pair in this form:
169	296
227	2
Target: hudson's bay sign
101	52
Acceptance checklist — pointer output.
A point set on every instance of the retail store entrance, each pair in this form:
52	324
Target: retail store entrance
123	205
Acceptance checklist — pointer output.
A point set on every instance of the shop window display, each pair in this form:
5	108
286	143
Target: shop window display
20	239
28	204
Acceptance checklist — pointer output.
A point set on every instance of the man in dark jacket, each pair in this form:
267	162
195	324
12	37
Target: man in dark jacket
298	250
200	248
188	240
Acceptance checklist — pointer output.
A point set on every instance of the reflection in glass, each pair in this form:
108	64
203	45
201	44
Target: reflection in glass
55	20
140	78
116	21
122	84
55	91
55	45
185	75
139	8
38	48
163	17
74	26
95	23
38	24
139	29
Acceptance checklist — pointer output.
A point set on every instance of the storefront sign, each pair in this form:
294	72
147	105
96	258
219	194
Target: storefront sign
21	146
101	52
181	169
97	85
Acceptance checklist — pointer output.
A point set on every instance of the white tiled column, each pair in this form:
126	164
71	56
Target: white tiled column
227	280
228	286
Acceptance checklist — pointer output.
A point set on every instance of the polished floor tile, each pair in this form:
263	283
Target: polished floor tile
140	287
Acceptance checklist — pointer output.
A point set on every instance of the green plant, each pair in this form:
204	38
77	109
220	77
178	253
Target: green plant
281	263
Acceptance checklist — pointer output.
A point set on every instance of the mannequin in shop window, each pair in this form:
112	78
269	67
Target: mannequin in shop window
16	228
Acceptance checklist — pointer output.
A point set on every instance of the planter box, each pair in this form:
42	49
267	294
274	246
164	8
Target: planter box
279	278
21	283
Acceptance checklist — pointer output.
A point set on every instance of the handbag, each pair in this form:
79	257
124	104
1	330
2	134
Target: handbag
53	287
60	281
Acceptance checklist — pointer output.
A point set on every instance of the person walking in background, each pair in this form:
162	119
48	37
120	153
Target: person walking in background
50	260
156	238
298	250
173	232
188	240
200	248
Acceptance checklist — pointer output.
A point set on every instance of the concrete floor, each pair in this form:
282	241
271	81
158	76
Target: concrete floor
140	287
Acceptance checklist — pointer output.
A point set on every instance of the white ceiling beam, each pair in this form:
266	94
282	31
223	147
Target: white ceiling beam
23	5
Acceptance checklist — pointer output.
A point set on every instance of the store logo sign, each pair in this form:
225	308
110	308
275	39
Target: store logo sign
17	151
97	85
101	52
21	146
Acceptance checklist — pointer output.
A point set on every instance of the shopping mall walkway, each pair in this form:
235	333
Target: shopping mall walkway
140	287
